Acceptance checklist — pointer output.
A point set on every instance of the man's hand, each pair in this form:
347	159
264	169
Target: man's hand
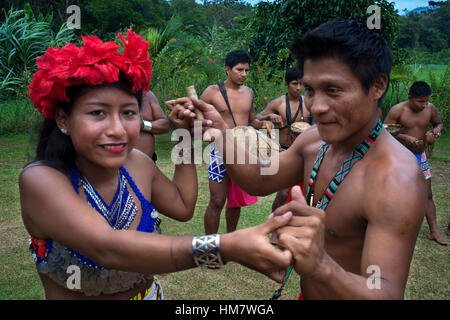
304	235
276	120
251	247
436	132
182	114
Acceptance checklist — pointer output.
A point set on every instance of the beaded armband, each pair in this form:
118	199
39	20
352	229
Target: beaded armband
206	250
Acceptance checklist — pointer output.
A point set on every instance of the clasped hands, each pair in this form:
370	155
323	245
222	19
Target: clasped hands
297	228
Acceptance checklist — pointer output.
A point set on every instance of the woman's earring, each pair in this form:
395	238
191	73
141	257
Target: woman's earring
63	131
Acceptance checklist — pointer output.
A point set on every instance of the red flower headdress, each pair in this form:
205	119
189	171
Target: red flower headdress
94	63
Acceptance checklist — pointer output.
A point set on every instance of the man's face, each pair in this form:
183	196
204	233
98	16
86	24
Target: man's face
336	99
238	74
294	88
417	104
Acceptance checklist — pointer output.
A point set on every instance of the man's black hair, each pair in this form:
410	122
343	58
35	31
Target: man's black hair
235	57
363	50
420	89
292	74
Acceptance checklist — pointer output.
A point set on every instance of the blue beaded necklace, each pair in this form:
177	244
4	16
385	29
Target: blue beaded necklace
122	210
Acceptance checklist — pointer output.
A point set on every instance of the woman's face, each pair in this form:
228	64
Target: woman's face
104	125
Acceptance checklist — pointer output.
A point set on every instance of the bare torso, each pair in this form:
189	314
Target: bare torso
54	290
345	216
240	100
415	123
286	135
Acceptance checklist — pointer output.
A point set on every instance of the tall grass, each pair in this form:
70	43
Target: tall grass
23	38
18	115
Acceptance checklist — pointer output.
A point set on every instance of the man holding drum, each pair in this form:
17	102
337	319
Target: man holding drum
353	236
234	102
284	112
415	116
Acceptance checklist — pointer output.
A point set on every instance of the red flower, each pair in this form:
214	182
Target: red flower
170	93
210	60
138	66
178	94
278	93
174	40
260	69
265	99
156	93
94	63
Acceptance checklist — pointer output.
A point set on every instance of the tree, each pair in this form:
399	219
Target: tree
277	24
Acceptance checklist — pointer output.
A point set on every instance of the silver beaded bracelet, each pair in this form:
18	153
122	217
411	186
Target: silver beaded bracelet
206	250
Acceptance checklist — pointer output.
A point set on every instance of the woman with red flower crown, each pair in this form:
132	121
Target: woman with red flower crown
89	199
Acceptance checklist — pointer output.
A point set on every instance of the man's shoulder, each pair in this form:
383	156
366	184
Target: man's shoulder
278	102
210	93
393	165
399	106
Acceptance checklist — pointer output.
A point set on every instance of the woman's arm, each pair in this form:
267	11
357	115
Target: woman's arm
57	212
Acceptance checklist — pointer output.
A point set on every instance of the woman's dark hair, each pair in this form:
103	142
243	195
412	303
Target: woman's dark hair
235	57
363	50
420	89
54	148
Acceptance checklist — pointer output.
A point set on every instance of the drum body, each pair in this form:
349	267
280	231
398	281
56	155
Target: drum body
255	142
297	128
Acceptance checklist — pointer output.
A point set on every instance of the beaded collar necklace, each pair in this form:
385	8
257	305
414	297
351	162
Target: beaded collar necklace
122	210
356	155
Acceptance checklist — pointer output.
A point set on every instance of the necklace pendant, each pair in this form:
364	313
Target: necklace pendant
311	200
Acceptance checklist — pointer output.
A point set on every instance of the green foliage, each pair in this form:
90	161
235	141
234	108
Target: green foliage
440	97
277	24
17	115
23	38
111	15
427	33
403	76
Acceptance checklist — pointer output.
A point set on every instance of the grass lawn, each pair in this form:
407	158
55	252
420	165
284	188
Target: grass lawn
429	272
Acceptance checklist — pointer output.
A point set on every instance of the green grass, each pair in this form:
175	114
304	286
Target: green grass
429	272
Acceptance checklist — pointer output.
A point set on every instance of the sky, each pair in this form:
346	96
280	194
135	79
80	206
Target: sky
399	4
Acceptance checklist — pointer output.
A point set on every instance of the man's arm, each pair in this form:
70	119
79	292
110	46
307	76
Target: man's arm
269	113
438	126
151	111
253	176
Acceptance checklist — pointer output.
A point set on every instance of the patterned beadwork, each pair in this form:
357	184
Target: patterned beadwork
356	155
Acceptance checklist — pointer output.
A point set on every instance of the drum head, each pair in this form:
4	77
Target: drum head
394	128
299	127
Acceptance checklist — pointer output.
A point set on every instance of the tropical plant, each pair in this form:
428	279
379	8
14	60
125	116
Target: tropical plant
23	38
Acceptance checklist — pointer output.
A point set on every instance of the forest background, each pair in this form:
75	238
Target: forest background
189	40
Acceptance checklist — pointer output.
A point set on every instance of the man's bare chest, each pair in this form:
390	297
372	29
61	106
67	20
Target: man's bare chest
419	121
344	214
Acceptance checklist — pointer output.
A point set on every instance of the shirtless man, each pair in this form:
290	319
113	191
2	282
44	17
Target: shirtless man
156	123
283	114
359	243
240	112
415	115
